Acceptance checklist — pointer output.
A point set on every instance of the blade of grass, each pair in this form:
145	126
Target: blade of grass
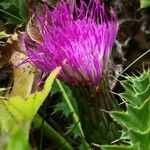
66	98
75	115
135	61
11	15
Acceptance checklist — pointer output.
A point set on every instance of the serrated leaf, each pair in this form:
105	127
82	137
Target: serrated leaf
141	140
134	118
141	83
62	107
128	86
74	129
23	110
137	89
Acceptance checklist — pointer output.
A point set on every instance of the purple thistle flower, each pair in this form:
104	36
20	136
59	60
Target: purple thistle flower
80	41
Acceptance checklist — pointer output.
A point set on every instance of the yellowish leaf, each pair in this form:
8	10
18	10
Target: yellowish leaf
25	109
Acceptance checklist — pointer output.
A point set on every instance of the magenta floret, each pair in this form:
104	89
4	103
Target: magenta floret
79	40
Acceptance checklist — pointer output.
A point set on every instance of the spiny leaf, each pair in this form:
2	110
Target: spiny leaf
136	119
141	140
128	87
141	83
137	89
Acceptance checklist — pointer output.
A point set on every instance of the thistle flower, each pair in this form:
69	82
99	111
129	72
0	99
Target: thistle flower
79	39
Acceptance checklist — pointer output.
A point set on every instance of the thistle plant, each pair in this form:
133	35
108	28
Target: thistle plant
79	38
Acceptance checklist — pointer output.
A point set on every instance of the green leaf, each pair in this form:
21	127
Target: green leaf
23	110
52	134
137	89
116	147
21	4
18	141
6	4
68	107
136	119
144	3
18	112
67	96
69	100
74	129
141	140
6	120
128	87
141	83
14	12
3	35
62	107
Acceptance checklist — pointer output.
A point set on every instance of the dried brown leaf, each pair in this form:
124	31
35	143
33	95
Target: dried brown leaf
23	76
33	30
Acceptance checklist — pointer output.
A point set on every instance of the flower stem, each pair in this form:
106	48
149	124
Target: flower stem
53	135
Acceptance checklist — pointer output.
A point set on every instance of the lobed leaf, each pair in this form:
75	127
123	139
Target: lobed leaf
136	119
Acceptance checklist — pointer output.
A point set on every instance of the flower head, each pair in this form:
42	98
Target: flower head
79	40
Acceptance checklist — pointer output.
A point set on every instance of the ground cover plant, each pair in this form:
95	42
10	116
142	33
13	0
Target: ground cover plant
74	74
